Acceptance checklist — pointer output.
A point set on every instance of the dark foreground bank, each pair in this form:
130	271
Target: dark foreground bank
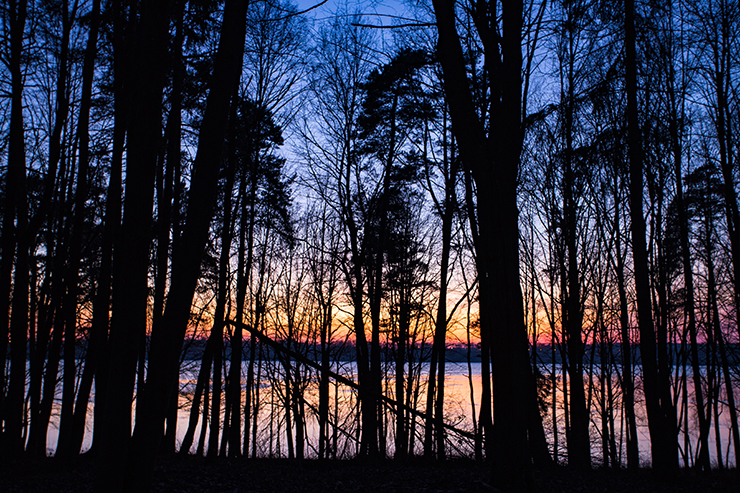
194	474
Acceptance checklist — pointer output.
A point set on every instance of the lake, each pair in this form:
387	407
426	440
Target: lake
461	391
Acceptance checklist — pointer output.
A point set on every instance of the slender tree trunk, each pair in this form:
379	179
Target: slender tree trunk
39	430
204	422
401	445
663	439
440	331
689	304
325	342
376	288
579	453
486	418
250	390
628	388
13	413
435	420
718	349
369	426
729	390
248	224
17	16
242	276
615	458
71	436
603	404
298	413
111	229
57	242
220	313
256	404
169	441
75	243
165	195
201	384
38	357
223	448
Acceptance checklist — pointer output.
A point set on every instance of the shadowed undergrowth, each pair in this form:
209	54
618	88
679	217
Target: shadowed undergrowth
195	474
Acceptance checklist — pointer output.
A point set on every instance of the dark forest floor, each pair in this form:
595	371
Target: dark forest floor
193	474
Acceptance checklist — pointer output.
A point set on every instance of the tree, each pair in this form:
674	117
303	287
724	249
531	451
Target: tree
343	64
15	244
392	108
493	160
131	263
167	339
73	424
662	434
449	169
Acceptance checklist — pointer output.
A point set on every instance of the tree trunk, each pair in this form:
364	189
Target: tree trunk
494	163
71	276
201	384
112	223
220	313
663	439
401	444
131	264
435	418
165	197
166	343
628	387
242	276
369	427
579	451
72	442
688	275
325	341
17	239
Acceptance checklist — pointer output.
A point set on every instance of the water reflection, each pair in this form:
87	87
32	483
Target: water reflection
462	404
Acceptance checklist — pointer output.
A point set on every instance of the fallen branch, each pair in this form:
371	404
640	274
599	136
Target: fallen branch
340	378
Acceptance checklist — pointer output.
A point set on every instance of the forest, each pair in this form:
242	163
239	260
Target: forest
499	230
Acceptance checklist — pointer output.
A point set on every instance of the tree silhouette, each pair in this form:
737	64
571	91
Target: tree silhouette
552	182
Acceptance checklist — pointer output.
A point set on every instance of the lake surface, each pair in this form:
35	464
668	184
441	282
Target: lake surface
462	403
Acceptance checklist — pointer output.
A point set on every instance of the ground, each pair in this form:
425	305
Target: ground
193	474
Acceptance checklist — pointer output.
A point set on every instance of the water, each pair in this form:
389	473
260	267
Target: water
461	390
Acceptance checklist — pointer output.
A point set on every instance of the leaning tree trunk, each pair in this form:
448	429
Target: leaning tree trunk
131	263
200	385
167	339
111	226
71	443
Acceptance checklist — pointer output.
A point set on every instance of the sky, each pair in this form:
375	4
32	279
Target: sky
377	12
